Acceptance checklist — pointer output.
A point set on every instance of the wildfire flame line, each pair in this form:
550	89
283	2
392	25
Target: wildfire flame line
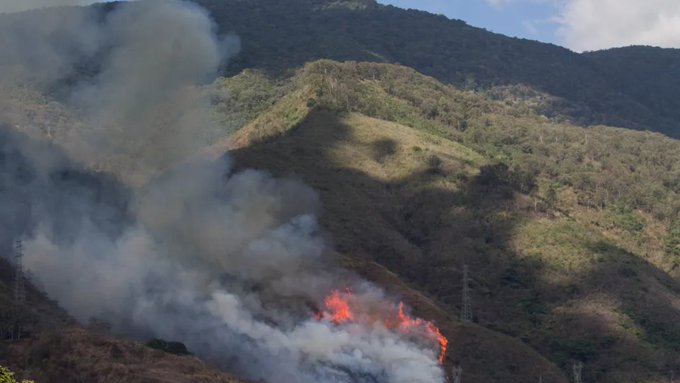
341	308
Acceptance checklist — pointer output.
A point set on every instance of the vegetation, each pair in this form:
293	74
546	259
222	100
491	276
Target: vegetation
240	99
604	166
592	88
499	161
177	348
561	225
78	355
6	376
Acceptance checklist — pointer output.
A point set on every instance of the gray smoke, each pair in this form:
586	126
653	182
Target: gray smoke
145	103
231	263
42	46
133	79
10	6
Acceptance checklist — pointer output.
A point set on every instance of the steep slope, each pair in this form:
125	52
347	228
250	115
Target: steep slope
78	355
281	35
649	75
54	348
362	215
561	259
571	233
593	88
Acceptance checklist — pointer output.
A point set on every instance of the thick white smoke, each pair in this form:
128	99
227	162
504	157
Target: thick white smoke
231	263
144	104
10	6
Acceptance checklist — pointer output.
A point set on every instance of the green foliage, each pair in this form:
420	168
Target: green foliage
538	268
672	243
606	167
434	164
238	100
567	350
624	217
535	308
6	376
551	195
597	88
603	165
13	314
660	333
171	347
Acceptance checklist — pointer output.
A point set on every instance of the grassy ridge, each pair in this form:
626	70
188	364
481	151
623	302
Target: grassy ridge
633	87
571	233
563	259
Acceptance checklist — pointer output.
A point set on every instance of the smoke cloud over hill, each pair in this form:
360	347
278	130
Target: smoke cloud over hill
9	6
231	263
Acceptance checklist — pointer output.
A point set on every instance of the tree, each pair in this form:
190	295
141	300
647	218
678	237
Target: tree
7	376
551	196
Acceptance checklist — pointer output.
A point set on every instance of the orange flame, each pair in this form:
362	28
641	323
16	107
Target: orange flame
441	339
340	310
407	323
338	305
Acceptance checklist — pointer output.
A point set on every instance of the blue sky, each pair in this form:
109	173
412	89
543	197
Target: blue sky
580	25
524	18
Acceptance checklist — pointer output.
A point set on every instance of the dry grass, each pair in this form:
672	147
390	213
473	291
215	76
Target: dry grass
535	272
77	355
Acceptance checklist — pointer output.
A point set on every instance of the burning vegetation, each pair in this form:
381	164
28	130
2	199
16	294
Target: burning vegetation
344	307
220	259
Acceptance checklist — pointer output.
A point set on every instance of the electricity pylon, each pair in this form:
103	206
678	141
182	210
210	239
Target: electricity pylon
466	310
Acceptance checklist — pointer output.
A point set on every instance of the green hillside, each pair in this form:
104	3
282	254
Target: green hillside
634	87
432	145
569	232
592	88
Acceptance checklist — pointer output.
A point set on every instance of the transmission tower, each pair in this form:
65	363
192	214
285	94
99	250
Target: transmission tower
578	368
457	373
19	286
466	311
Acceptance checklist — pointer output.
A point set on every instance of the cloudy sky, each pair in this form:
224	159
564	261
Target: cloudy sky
576	24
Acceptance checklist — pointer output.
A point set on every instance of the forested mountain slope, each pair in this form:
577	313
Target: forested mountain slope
570	233
630	87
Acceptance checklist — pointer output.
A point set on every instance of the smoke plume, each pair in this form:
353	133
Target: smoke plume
10	6
233	264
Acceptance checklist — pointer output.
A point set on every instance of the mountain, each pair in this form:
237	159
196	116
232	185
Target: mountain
630	87
471	152
421	177
55	348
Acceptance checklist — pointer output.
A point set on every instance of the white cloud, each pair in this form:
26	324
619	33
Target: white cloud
498	4
598	24
530	26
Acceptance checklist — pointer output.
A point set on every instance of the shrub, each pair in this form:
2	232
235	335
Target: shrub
434	164
624	217
7	376
171	347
